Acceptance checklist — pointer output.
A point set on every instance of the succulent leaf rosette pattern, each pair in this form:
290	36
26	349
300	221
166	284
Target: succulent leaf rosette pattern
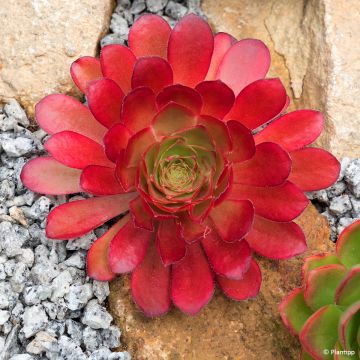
325	311
169	134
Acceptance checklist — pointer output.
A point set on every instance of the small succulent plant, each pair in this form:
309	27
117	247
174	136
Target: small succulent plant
325	311
173	132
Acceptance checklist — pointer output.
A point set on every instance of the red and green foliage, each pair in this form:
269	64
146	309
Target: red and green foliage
325	311
174	133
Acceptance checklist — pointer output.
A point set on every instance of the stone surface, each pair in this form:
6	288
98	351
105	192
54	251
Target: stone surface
224	329
313	52
39	41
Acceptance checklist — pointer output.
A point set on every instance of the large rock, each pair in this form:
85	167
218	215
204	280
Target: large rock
225	329
315	52
39	41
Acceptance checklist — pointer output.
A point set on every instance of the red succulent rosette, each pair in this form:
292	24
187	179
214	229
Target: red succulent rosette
169	134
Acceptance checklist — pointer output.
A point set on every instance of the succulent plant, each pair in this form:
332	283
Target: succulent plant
174	133
325	311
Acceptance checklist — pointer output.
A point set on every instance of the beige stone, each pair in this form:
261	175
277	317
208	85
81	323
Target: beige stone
39	39
224	329
315	52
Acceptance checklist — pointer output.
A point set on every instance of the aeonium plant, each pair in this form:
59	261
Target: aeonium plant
168	136
325	311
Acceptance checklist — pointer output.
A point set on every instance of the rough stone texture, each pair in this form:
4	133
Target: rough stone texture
39	41
313	52
225	329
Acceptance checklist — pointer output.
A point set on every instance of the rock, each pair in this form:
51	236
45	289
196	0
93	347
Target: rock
175	10
35	319
156	5
75	330
309	35
340	205
91	339
96	316
224	329
111	337
67	349
101	290
42	39
78	296
61	285
352	176
4	316
14	110
41	343
22	357
18	147
137	6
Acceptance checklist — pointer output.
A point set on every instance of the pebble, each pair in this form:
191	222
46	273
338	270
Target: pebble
175	10
155	6
96	316
35	319
19	146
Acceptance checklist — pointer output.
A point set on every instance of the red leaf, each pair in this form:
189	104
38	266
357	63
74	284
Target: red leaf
276	240
150	283
105	97
233	219
58	112
258	103
245	288
270	166
246	61
117	63
128	248
190	49
76	218
153	72
192	284
45	175
313	169
149	36
76	151
84	70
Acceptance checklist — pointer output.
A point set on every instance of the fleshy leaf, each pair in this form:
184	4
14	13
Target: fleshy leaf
76	218
231	260
349	326
45	175
294	311
138	109
84	70
149	36
278	203
294	130
276	240
98	267
58	112
233	219
153	72
192	283
348	291
170	246
141	214
348	245
117	63
181	95
190	48
100	180
115	140
321	285
315	261
313	169
128	248
320	332
217	98
76	151
104	97
258	103
246	61
245	288
150	283
270	166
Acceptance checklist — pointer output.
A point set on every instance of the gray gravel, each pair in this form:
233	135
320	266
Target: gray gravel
49	308
341	202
